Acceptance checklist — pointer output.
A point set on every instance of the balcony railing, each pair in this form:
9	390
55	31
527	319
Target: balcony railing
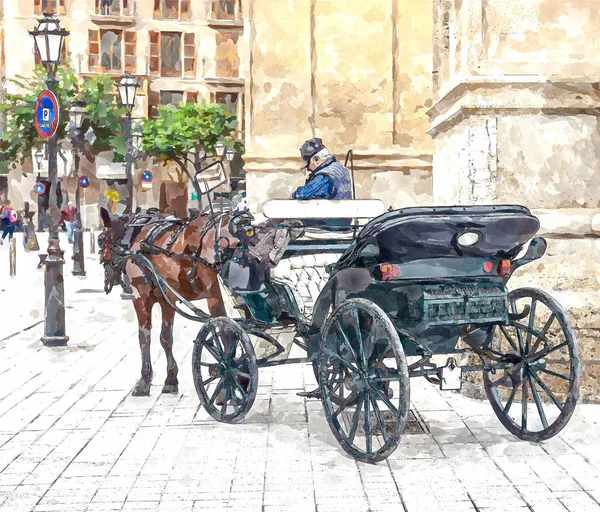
114	7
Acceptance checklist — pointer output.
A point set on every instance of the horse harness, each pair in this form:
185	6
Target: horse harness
159	226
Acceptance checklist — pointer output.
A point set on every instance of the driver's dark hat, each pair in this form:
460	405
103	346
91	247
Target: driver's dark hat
309	149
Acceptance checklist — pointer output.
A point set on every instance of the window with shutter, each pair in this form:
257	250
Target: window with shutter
234	103
111	50
93	50
153	103
191	97
189	55
49	6
170	54
227	62
154	64
130	51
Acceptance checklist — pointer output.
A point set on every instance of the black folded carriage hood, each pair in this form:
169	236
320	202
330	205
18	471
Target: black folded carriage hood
432	232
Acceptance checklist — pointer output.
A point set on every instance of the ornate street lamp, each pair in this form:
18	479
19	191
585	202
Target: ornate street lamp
77	113
127	89
220	148
229	154
39	157
49	40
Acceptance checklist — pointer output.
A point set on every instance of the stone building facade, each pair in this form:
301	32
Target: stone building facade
180	50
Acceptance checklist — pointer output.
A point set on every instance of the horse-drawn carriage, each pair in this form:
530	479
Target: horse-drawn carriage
373	305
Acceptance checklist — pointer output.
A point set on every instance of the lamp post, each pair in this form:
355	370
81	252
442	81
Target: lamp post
77	113
49	39
127	89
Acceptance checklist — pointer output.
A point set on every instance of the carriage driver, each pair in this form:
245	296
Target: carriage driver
328	179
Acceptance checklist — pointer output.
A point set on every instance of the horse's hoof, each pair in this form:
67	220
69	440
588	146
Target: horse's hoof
141	389
171	388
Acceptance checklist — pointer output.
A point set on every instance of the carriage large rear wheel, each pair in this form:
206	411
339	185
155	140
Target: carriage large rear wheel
363	377
225	370
535	397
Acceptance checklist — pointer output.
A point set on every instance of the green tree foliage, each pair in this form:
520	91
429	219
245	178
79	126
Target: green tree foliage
102	113
182	133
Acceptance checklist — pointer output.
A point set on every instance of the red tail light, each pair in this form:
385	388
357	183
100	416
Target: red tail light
388	271
488	266
504	268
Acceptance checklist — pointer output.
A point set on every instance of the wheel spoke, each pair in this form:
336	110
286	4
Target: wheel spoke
355	420
377	412
346	340
359	340
224	404
513	306
216	339
510	400
373	343
543	333
216	392
524	403
550	372
531	321
209	346
546	390
385	400
544	353
208	381
368	435
508	337
538	402
237	371
345	403
331	353
237	384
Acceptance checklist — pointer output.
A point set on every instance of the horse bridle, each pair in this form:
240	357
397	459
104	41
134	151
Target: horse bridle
112	265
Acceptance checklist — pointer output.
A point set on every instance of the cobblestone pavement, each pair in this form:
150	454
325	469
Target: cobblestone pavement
73	439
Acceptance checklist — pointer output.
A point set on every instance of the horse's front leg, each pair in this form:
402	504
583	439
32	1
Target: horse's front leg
143	303
166	340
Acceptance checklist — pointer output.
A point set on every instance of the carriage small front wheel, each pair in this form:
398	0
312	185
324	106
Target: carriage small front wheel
225	370
535	395
364	382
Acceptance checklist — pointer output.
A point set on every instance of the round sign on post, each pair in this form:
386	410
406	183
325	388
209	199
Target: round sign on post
147	176
39	188
84	182
46	114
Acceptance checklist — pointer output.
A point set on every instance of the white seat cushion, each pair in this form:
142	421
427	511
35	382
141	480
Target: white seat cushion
306	276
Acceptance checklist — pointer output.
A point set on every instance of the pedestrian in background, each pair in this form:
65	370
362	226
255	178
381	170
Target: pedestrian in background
68	217
9	220
30	242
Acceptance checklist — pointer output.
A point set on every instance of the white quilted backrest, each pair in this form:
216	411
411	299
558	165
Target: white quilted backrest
306	276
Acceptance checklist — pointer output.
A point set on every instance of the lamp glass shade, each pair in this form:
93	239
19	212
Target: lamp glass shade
49	39
76	113
229	154
219	148
38	158
127	89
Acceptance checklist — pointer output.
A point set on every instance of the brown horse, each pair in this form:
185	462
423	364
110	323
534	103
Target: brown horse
198	237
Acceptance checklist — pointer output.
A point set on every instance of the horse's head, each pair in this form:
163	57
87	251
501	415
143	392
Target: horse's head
112	234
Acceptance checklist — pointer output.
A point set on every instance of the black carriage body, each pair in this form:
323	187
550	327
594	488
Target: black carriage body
440	286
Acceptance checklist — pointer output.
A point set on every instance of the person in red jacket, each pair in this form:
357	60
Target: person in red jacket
68	217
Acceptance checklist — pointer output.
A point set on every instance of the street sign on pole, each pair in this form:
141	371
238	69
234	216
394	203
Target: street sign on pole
46	114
